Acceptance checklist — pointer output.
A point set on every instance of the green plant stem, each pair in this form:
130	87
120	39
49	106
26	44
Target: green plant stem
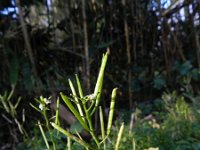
76	99
43	135
90	108
91	128
68	143
49	129
133	143
102	127
83	143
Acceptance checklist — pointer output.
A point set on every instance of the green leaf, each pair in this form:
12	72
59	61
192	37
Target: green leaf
73	110
184	68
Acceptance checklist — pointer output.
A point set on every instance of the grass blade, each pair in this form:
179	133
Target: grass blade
4	103
17	103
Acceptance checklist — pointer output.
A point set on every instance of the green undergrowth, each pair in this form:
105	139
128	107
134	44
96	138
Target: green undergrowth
175	127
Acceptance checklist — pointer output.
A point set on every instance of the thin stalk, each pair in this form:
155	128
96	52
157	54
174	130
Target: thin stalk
68	143
83	143
119	136
111	112
88	118
43	135
76	99
128	54
49	129
134	145
87	61
10	94
95	138
102	127
90	108
28	46
20	127
133	9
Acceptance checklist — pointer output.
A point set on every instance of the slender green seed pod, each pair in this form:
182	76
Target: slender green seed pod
119	136
111	112
79	86
76	99
57	110
99	83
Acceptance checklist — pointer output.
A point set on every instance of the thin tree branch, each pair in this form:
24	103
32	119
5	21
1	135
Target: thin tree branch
28	45
87	62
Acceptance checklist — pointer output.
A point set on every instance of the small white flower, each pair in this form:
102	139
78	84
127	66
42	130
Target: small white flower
90	97
46	101
41	107
43	102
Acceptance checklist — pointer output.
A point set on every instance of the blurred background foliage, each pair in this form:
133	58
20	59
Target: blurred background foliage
154	47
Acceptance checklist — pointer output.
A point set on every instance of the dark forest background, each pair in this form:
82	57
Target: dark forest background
154	47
